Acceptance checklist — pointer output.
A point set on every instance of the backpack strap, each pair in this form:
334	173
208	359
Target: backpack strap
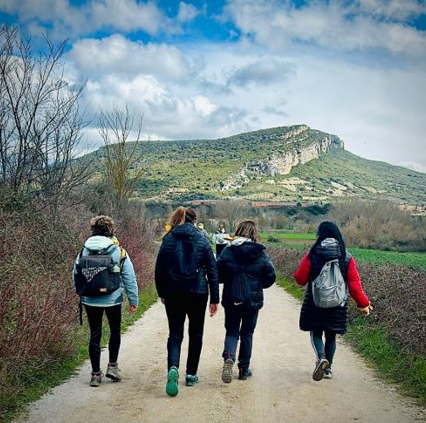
123	256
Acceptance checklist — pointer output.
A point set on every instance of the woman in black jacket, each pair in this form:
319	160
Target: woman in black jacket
245	269
185	273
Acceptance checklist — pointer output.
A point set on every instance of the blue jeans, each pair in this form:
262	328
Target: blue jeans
240	323
178	306
322	350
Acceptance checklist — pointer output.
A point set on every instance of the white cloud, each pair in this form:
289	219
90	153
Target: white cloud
187	12
413	166
70	21
118	55
341	26
265	71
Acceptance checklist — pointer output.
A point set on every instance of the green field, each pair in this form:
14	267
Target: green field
303	241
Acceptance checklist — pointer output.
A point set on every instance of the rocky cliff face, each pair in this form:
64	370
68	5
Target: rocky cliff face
297	150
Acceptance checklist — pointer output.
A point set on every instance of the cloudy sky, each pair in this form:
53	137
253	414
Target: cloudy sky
209	69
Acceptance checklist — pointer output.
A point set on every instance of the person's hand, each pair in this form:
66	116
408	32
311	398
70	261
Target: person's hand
162	300
133	308
366	310
213	309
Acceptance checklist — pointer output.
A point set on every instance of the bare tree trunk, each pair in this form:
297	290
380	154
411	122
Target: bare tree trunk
121	131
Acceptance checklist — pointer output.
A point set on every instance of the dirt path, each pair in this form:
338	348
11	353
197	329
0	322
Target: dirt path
281	389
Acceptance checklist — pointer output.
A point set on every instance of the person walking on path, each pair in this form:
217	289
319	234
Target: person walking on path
219	239
104	245
328	321
245	269
185	274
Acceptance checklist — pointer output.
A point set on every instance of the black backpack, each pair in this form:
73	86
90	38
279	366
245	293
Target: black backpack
240	288
184	268
98	274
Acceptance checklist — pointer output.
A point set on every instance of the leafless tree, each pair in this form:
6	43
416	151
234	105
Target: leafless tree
121	132
40	121
231	211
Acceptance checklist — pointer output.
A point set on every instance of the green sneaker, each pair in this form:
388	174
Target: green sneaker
96	379
113	372
191	380
172	382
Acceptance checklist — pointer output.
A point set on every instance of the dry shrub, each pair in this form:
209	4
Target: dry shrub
377	224
38	308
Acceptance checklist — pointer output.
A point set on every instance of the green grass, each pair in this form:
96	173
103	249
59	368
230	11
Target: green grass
38	379
416	260
303	241
386	357
283	236
390	361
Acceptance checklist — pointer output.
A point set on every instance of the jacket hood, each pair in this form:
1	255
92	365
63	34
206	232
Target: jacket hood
329	249
246	251
185	231
99	243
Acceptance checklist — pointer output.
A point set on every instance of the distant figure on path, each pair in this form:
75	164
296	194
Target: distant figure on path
245	269
219	239
185	274
328	321
200	226
110	280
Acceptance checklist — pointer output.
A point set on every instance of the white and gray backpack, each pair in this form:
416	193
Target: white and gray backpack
329	288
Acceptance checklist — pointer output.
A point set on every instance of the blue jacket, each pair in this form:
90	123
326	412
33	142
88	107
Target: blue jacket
105	245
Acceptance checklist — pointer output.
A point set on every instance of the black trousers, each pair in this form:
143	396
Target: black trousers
240	323
178	306
95	315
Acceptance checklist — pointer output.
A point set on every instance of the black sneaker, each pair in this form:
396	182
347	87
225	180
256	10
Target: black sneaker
244	374
320	367
328	374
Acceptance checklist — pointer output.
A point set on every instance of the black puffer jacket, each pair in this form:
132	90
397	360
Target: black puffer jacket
313	318
207	281
258	269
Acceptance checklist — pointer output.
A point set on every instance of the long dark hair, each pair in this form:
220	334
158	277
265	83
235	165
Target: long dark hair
330	230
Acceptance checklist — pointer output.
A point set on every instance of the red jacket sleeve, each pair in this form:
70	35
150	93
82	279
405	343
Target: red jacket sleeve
354	284
302	273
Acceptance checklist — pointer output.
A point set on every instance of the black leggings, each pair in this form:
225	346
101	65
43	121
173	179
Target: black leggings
179	306
324	351
95	315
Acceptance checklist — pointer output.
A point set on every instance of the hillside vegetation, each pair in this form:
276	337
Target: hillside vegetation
285	164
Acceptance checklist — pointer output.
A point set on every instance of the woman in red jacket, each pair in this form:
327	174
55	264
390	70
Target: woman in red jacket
328	321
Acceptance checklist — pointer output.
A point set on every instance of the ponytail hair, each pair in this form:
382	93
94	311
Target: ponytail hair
180	216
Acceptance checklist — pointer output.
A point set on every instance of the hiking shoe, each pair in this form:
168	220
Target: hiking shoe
227	368
244	374
96	379
320	367
191	380
113	372
172	382
328	374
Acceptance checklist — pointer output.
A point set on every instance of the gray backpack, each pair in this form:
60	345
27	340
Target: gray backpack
329	288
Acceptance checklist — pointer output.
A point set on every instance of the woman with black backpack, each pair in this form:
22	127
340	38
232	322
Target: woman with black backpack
319	321
102	271
245	269
185	274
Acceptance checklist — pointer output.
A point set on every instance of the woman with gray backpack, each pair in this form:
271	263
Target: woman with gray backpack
245	269
102	271
330	273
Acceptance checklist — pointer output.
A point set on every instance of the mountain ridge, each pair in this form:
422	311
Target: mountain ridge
290	164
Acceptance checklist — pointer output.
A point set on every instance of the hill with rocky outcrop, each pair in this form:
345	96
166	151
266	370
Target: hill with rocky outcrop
284	164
